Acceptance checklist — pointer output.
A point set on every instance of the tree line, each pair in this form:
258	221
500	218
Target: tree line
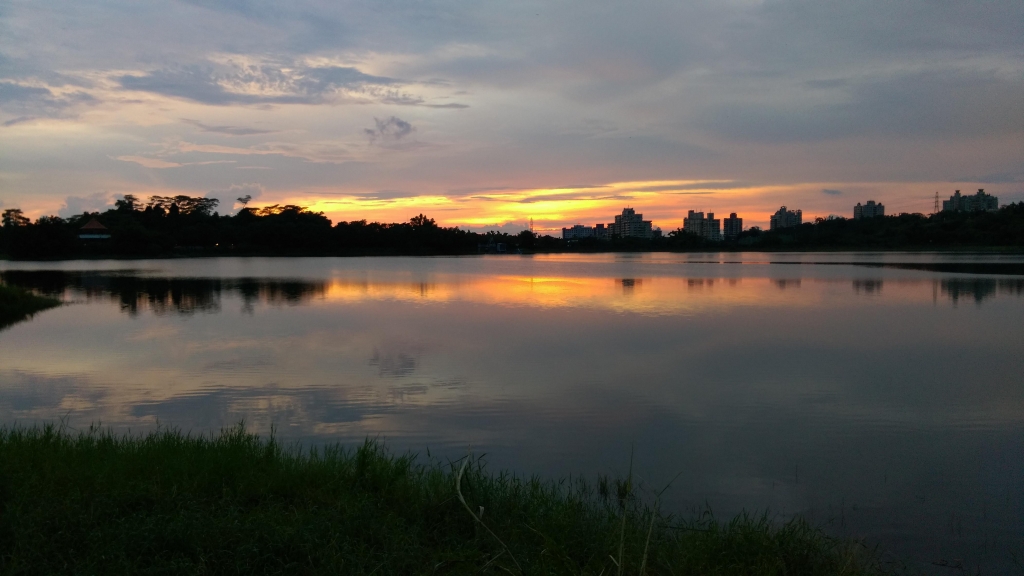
166	225
183	225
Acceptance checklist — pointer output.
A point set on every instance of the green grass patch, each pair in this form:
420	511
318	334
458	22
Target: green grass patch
17	304
235	503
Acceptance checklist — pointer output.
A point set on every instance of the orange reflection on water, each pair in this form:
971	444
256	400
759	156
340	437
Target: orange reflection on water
649	296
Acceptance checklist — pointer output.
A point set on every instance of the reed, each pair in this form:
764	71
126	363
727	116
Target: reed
17	304
236	503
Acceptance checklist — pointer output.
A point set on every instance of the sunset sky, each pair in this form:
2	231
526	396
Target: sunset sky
486	114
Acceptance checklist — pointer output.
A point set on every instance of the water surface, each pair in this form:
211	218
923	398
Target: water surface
878	394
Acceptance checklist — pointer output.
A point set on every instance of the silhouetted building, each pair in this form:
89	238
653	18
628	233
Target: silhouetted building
577	232
93	230
732	226
980	202
786	218
869	210
580	231
629	224
706	227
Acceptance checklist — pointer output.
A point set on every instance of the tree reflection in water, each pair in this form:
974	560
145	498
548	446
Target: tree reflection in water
160	296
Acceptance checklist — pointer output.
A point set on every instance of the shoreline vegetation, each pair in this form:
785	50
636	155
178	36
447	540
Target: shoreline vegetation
189	227
236	503
17	304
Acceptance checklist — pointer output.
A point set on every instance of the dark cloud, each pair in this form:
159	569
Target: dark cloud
386	195
18	120
722	185
11	92
264	84
451	105
388	130
227	130
831	192
573	196
30	102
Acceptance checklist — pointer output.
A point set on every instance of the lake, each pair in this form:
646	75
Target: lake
879	395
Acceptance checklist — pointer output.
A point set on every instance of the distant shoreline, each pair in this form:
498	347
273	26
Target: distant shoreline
17	304
127	232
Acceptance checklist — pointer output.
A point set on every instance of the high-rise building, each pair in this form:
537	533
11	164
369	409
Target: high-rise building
980	202
869	210
706	227
630	224
732	226
786	218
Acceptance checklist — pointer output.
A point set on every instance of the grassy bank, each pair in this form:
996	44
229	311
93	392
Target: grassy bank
168	503
17	304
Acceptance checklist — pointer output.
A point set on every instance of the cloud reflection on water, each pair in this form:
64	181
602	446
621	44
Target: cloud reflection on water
780	388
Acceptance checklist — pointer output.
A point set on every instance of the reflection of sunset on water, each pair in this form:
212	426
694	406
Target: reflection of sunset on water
720	364
663	296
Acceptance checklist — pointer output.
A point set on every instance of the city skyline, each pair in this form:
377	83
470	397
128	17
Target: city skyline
488	116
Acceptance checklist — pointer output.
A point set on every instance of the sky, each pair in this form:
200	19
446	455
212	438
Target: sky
484	115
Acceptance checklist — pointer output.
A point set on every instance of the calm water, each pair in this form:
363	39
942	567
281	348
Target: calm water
880	395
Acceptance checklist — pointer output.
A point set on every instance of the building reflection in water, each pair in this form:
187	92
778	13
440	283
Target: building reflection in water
629	285
868	286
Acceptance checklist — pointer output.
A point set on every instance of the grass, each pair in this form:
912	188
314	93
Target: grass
17	304
235	503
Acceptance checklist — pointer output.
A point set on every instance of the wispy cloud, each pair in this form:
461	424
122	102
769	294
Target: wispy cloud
158	163
227	130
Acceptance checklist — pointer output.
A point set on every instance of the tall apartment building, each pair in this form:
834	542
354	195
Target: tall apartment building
869	210
732	226
706	227
631	224
980	202
786	218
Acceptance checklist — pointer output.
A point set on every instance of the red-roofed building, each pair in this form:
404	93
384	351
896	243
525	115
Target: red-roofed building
93	230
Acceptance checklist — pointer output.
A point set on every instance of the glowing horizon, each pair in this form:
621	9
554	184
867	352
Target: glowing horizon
512	112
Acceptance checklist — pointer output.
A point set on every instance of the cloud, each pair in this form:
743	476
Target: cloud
18	120
308	151
389	130
385	195
507	227
158	163
11	92
831	192
268	83
940	102
228	196
149	162
572	196
31	102
75	205
227	130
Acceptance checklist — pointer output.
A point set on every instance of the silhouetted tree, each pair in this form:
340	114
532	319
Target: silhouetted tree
129	203
15	217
